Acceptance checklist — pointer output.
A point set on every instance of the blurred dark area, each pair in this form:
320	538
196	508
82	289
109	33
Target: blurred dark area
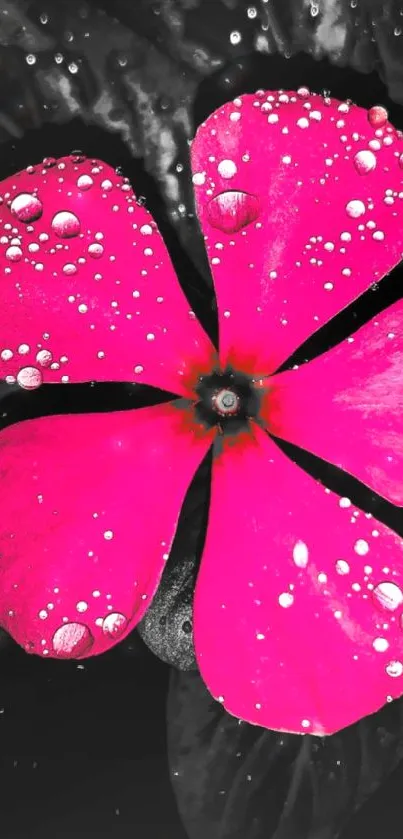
84	745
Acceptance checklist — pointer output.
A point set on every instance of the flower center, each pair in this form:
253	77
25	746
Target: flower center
226	402
227	399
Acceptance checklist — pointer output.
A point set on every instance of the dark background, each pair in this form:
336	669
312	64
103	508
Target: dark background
83	747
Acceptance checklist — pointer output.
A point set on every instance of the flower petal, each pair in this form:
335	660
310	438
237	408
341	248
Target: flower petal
88	288
346	405
90	505
297	615
300	201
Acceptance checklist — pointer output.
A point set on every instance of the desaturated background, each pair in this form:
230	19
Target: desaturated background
124	745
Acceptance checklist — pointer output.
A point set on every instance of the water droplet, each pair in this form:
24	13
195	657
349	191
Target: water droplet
114	624
30	59
72	640
199	178
6	355
44	358
377	116
231	211
29	378
66	225
235	38
14	253
355	208
364	162
146	229
26	207
286	599
388	595
139	368
300	554
107	185
227	168
380	645
394	669
108	534
85	182
95	250
69	268
81	606
303	122
342	567
361	547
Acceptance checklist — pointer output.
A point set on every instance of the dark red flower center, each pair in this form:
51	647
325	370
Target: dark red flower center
228	399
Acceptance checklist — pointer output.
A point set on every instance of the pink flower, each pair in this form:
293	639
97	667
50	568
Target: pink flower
299	600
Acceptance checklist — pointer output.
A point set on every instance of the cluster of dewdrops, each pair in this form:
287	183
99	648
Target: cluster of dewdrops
27	209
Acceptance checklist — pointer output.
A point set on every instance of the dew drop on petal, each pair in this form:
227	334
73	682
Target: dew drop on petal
14	253
44	358
286	599
69	268
364	162
227	168
72	640
81	606
355	208
66	225
26	207
95	250
394	669
377	116
300	554
388	595
361	547
85	182
114	624
231	211
342	567
401	161
29	378
380	645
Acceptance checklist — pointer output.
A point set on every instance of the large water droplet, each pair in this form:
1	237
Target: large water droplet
388	595
394	669
26	207
355	208
72	640
377	116
14	253
300	554
44	358
231	211
66	225
29	378
227	168
342	567
95	250
365	162
84	182
114	624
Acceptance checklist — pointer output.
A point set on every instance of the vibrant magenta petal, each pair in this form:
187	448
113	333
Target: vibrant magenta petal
298	603
88	288
346	406
300	200
89	508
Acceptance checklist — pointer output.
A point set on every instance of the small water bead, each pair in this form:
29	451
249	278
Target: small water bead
286	599
364	162
44	358
380	645
199	178
83	308
30	59
388	595
14	253
85	182
355	208
303	122
107	185
146	229
377	116
69	268
342	567
300	554
235	38
108	534
66	225
26	207
394	669
227	168
6	355
29	378
139	369
114	624
95	250
81	606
